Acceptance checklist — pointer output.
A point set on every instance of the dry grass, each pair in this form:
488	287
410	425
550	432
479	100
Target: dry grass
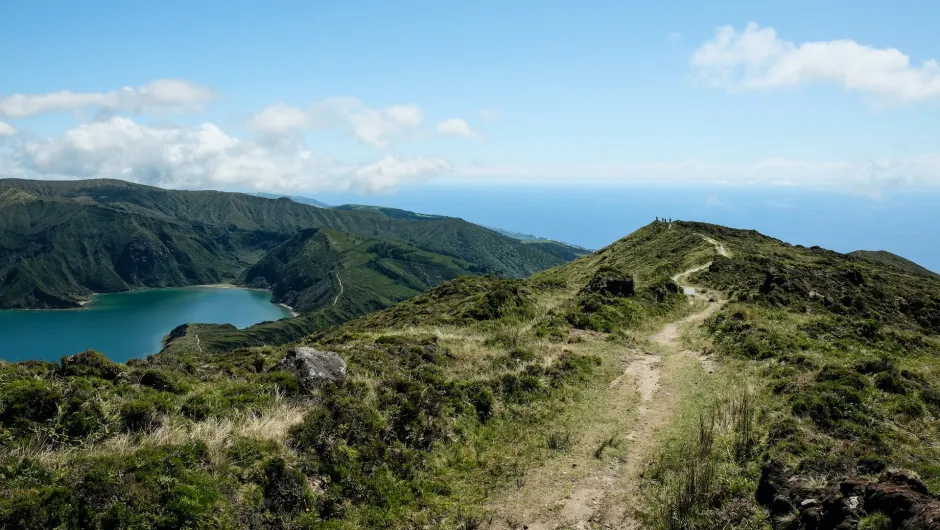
218	434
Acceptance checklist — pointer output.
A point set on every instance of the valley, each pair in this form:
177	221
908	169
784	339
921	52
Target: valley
62	241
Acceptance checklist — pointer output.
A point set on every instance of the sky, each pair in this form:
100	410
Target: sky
835	105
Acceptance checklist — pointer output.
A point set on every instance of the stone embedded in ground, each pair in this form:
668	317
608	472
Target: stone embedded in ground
310	365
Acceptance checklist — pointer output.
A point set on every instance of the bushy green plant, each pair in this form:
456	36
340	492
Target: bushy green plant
144	411
90	364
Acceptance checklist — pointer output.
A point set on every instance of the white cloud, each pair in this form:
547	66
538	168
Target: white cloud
456	127
278	119
373	127
674	37
6	129
202	157
161	94
756	58
389	172
488	115
405	115
870	177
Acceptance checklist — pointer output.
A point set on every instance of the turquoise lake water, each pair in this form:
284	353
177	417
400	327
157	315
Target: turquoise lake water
128	325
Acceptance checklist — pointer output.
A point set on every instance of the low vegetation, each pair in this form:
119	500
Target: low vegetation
826	379
840	355
191	438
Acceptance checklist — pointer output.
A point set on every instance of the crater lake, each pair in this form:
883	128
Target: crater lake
128	325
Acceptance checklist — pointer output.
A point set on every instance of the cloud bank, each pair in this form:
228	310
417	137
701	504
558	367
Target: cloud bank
373	127
276	156
175	95
758	59
203	157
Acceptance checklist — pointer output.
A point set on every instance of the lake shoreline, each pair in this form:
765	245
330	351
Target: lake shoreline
131	324
233	286
83	304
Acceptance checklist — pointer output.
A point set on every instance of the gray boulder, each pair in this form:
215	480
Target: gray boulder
310	365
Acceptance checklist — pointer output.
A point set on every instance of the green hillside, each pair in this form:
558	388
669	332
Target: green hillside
61	241
295	198
559	250
796	388
396	213
356	274
887	258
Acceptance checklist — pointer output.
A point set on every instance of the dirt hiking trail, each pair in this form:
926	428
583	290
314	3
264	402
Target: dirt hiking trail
591	486
340	280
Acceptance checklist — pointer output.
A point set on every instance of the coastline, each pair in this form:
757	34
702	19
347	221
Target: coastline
291	309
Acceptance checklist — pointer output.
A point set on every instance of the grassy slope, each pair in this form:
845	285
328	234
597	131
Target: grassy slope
61	240
305	272
462	392
302	272
55	251
476	364
887	258
834	365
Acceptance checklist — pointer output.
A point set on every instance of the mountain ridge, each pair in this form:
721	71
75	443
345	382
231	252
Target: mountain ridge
62	240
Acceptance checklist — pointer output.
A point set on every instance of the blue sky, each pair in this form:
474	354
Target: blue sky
349	99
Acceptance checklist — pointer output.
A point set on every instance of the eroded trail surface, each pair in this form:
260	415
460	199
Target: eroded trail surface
591	487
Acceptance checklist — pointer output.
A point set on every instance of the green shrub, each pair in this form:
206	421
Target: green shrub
890	382
144	412
90	364
907	406
501	299
830	405
873	366
83	412
479	395
161	487
34	400
877	521
284	489
164	381
245	452
284	382
871	464
224	399
839	376
344	439
554	329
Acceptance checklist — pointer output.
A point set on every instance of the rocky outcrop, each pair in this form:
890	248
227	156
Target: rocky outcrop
611	282
841	504
311	366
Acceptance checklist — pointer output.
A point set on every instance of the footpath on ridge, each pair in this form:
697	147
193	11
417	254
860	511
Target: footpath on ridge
587	491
